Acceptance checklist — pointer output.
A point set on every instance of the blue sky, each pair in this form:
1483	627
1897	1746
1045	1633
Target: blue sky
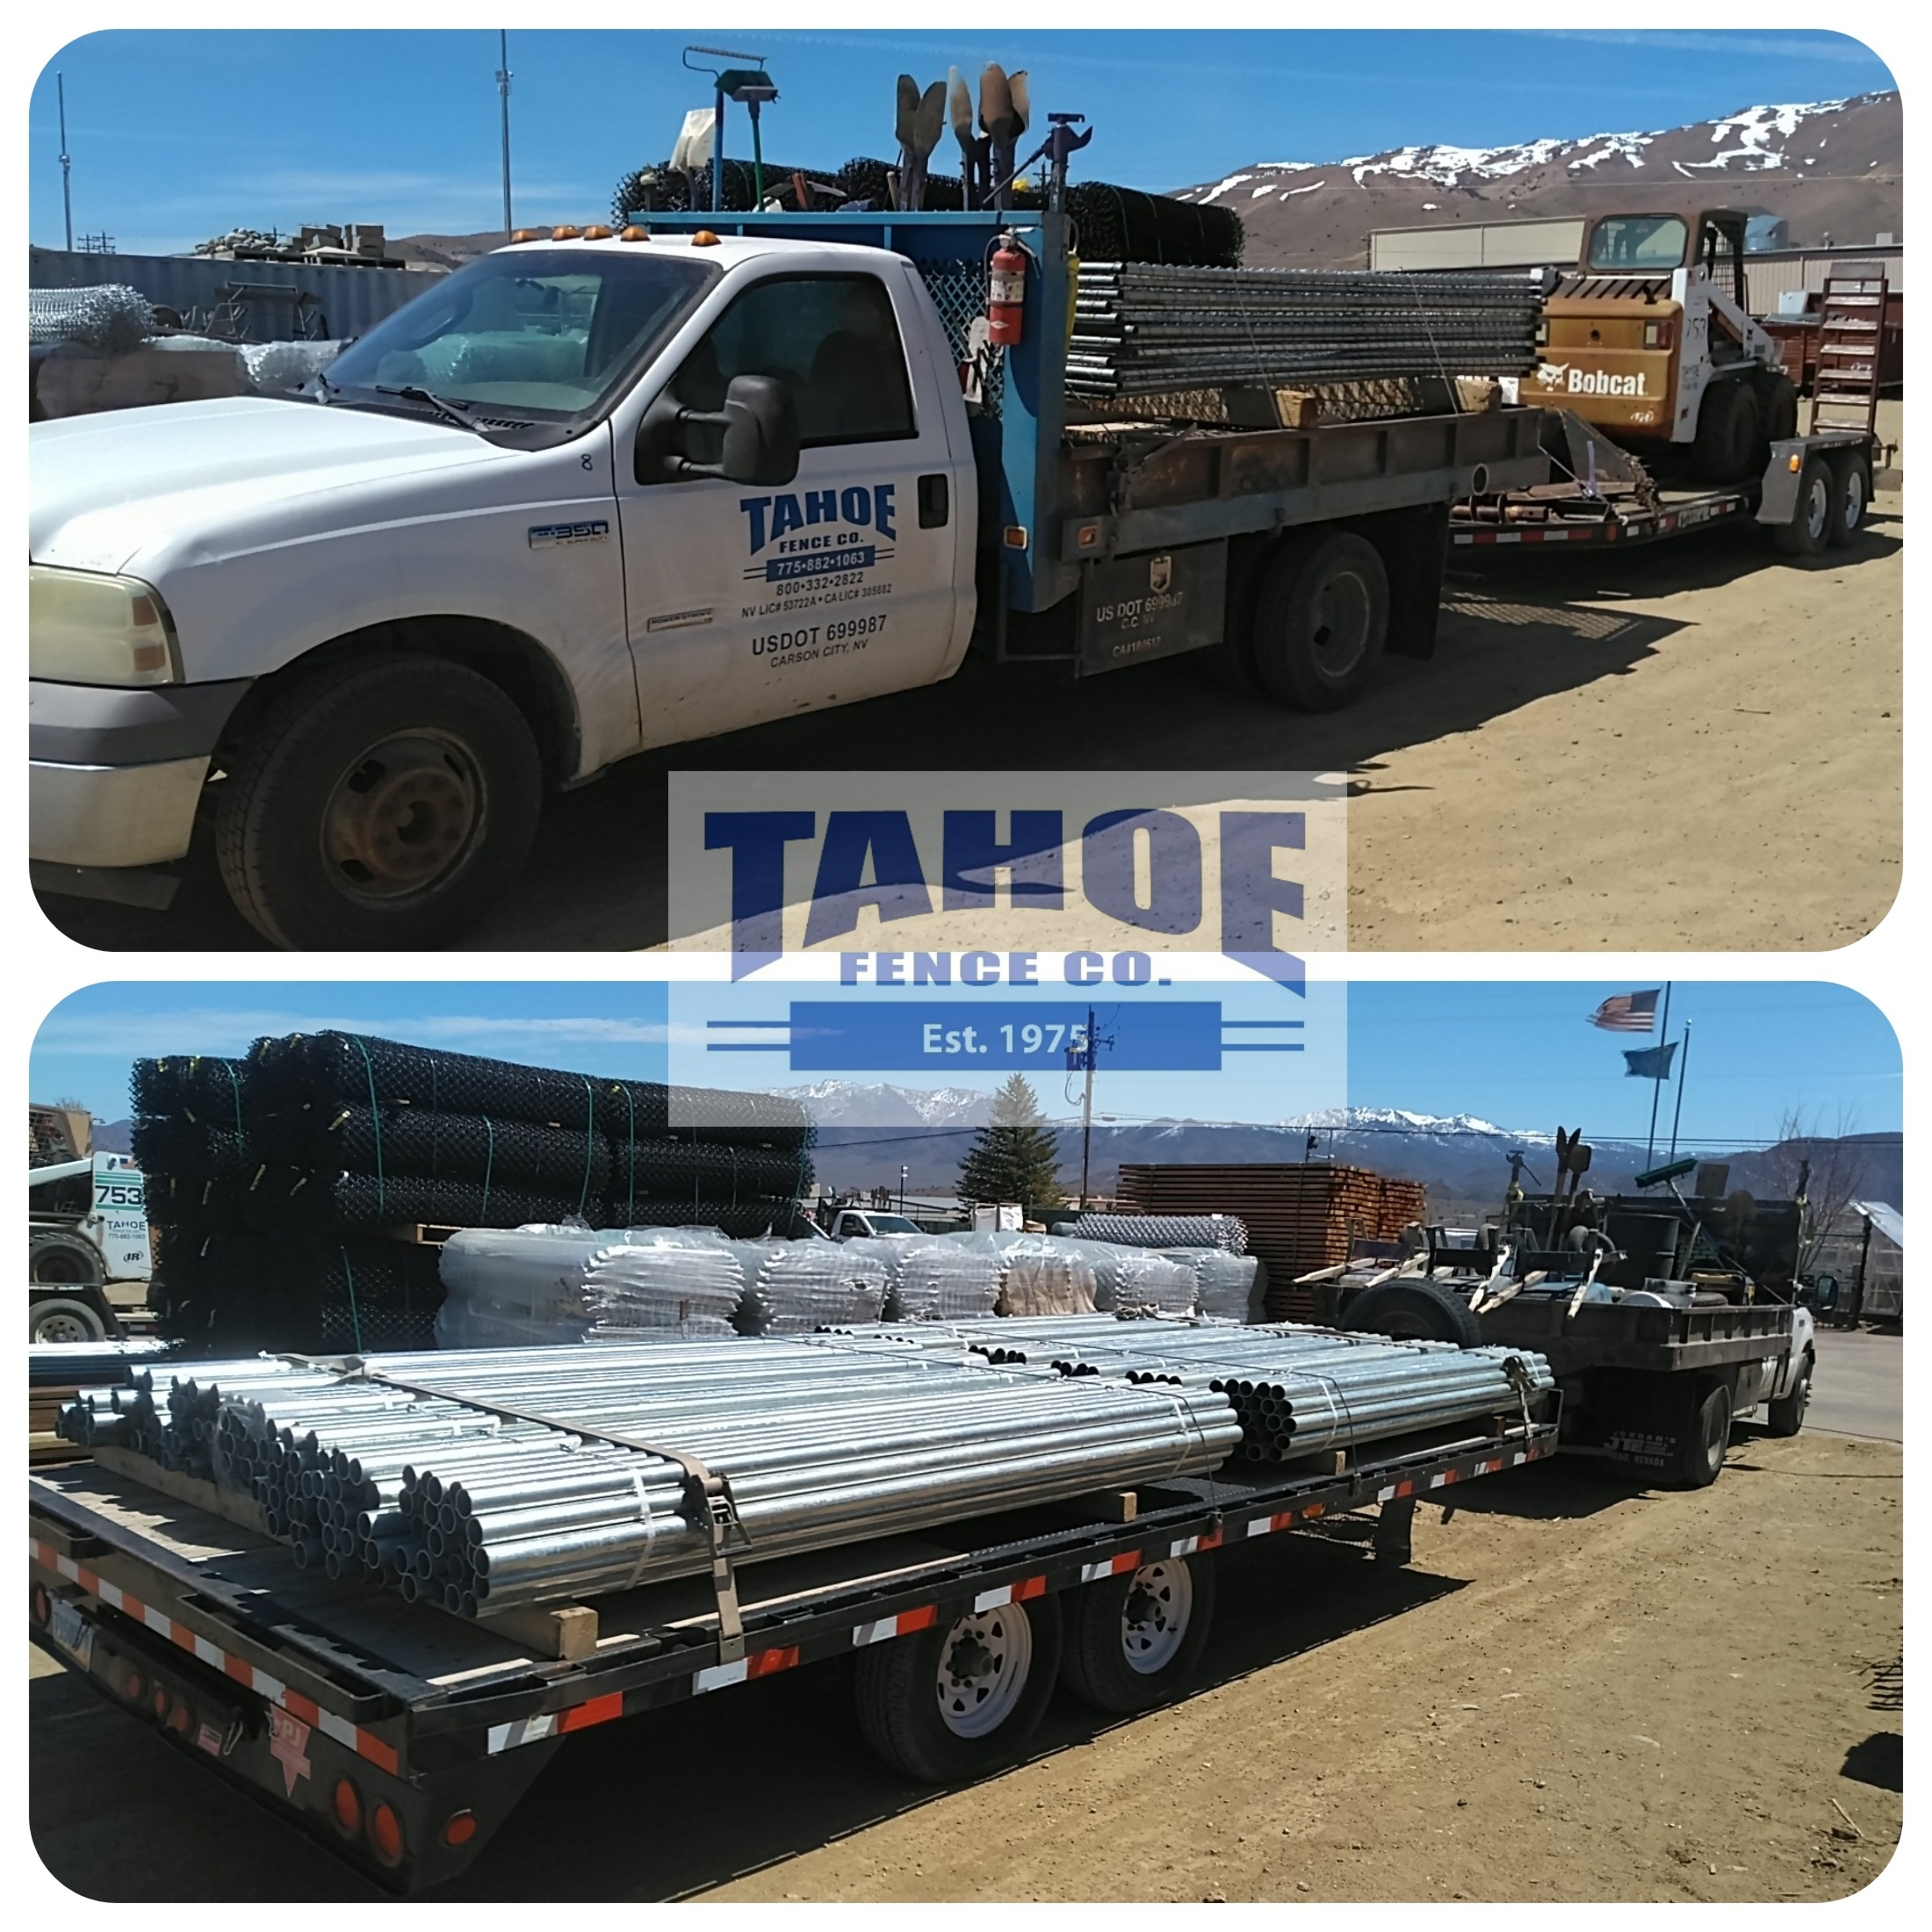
177	135
1522	1055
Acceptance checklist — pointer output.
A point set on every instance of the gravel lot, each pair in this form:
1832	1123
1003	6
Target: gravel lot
1693	745
1579	1690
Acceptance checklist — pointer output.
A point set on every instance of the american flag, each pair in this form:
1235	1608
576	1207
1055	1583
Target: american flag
1628	1013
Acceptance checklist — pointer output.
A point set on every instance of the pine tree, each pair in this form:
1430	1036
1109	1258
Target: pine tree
1016	1155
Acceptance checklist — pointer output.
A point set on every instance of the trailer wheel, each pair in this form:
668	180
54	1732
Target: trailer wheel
59	1319
1729	424
961	1700
1700	1449
1133	1642
1785	1416
1321	621
1850	496
56	1259
385	804
1413	1311
1809	530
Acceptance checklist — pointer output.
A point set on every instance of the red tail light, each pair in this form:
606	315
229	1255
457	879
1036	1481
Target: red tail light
1658	334
386	1833
345	1805
459	1827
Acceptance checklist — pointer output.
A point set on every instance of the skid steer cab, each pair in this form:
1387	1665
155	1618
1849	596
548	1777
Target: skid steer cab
1651	337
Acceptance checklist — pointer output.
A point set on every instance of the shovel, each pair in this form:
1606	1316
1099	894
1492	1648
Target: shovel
1003	116
920	119
972	150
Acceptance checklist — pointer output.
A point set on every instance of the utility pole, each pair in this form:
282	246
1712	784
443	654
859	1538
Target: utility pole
905	1171
504	91
67	166
1088	1059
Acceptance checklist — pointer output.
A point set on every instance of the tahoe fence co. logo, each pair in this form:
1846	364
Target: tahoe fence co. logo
1250	865
817	533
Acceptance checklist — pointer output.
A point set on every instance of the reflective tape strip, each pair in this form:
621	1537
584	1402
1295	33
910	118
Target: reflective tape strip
1027	1588
580	1717
1125	1564
205	1650
507	1737
1404	1487
902	1626
761	1664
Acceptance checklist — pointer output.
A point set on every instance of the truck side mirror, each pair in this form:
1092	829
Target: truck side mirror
758	436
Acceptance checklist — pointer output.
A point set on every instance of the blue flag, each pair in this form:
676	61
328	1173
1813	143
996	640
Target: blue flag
1649	1063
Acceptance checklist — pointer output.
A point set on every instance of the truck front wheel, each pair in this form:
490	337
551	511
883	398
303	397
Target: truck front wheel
961	1699
1321	621
385	804
1785	1415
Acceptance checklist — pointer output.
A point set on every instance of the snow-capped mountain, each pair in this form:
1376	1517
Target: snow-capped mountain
851	1103
1832	166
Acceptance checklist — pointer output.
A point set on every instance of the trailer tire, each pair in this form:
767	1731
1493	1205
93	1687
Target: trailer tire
942	1728
1785	1416
1706	1436
1321	621
60	1318
387	802
56	1259
1133	1642
1850	496
1729	426
1809	531
1414	1311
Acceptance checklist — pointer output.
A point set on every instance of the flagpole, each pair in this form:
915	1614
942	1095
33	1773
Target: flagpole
1683	1071
1656	1089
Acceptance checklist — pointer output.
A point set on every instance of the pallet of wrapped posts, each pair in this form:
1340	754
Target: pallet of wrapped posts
701	1514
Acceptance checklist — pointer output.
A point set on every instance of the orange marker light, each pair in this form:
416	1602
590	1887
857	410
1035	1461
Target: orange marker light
459	1827
635	233
704	239
527	234
386	1833
563	234
597	233
346	1806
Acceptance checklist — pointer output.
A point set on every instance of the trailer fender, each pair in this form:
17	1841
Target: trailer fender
1777	503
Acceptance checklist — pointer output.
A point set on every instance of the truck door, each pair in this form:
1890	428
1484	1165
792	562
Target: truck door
747	603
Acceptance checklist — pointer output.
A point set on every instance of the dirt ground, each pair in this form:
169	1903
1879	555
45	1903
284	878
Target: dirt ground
1578	1690
1697	745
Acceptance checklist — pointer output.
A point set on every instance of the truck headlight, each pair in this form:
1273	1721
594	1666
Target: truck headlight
84	628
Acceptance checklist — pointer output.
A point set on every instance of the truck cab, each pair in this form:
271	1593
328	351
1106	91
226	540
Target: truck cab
1651	337
870	1224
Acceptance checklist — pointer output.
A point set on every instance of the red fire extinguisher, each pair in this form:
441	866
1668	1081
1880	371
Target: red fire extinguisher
1006	293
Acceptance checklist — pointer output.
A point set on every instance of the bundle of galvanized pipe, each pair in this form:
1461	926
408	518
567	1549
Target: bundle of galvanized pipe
440	1488
1144	329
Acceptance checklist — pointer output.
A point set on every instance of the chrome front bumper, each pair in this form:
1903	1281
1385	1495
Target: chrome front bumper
113	814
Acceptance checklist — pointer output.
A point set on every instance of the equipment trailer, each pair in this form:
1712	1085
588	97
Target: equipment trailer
402	1737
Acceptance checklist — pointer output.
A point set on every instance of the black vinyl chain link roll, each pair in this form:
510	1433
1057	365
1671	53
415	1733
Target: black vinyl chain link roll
198	1086
407	1140
740	1221
674	1168
1127	225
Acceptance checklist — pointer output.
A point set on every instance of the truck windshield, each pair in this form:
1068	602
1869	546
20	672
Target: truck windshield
542	337
1638	243
893	1224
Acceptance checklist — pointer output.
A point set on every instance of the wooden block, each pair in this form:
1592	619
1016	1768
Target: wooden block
565	1631
218	1499
1101	1506
1297	408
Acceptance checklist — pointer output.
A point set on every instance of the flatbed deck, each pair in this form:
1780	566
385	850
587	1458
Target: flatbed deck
294	1686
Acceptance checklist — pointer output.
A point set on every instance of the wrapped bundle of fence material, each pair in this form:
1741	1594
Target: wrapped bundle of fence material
110	319
280	369
1138	1280
1139	329
1127	225
935	1279
546	1284
1039	1275
794	1286
1227	1231
1229	1285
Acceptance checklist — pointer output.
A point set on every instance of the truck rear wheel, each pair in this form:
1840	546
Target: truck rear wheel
57	1259
59	1319
1850	496
1729	426
385	804
1809	530
1785	1415
1706	1436
1321	621
1132	1642
1413	1311
961	1699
